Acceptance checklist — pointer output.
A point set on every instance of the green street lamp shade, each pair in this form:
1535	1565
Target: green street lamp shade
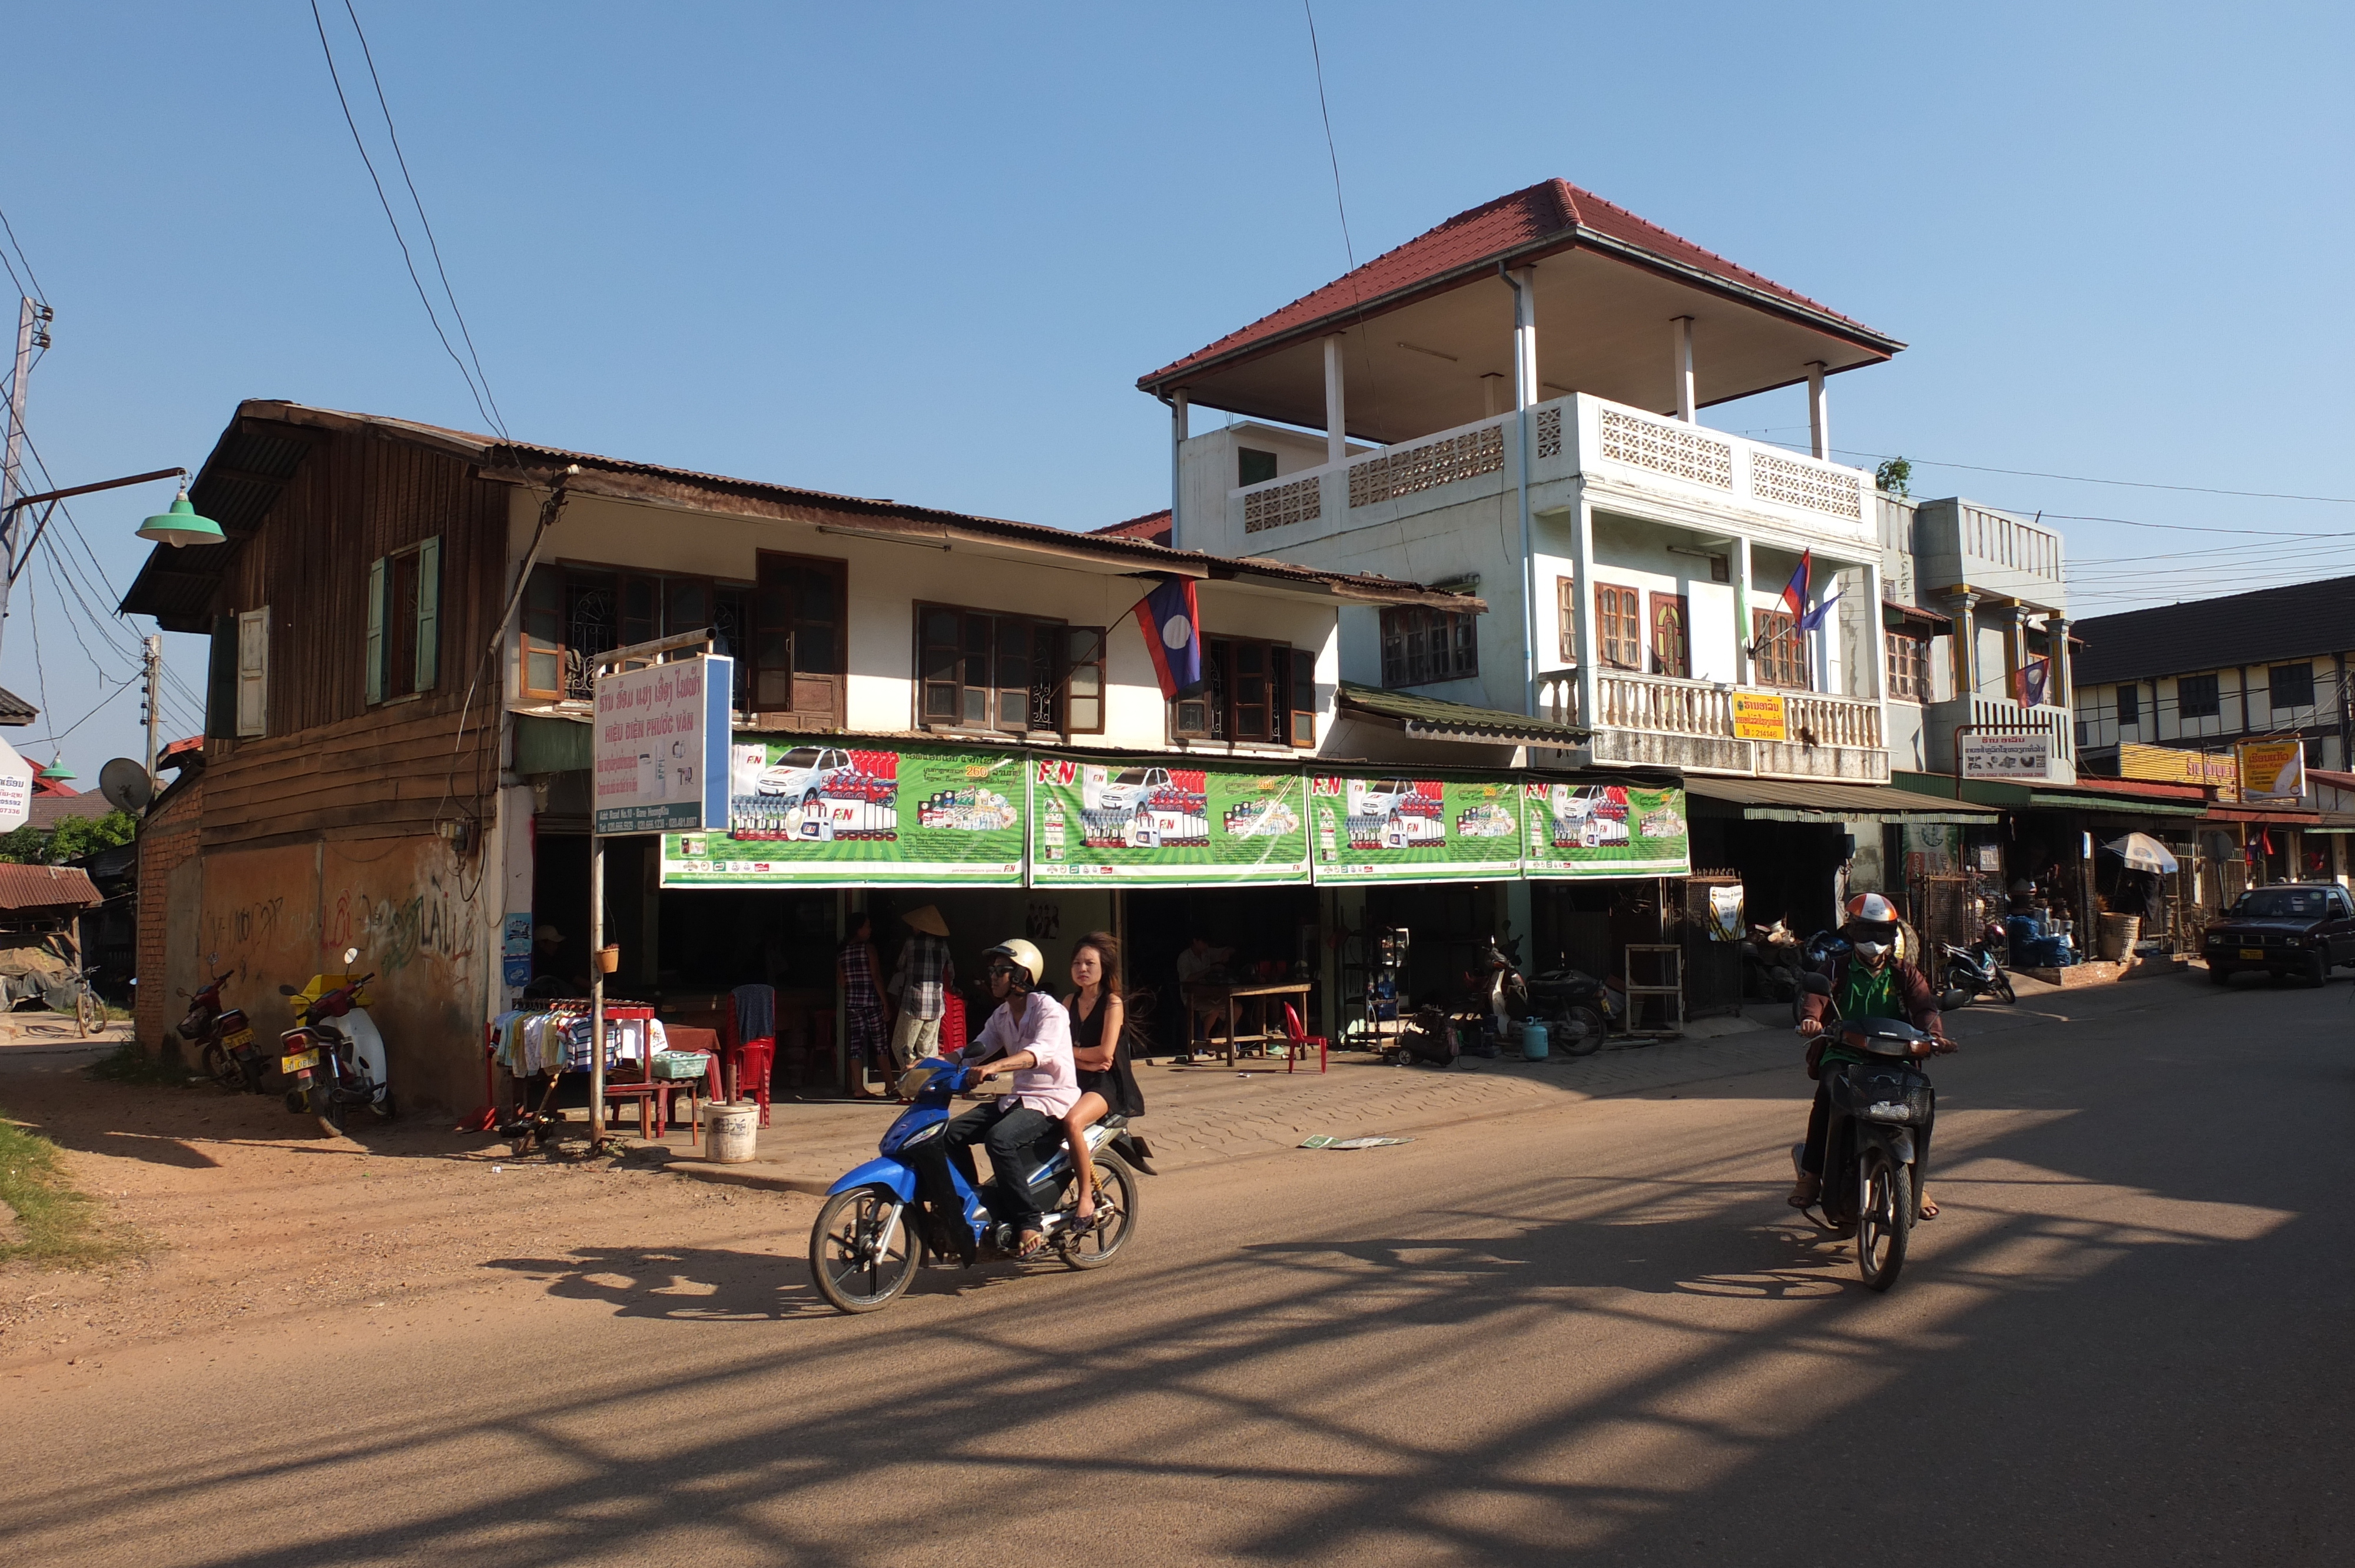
58	771
181	526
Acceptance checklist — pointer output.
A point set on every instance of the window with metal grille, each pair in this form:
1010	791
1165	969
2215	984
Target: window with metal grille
1909	666
979	668
1423	644
571	614
1671	643
1261	693
2198	696
1618	626
1778	649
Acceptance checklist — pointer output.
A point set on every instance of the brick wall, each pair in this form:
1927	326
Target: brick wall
166	838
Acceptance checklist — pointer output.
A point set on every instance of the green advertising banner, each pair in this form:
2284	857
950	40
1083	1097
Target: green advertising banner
1145	822
839	816
1604	829
1398	827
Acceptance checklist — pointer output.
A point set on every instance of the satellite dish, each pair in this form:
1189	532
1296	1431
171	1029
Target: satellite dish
126	784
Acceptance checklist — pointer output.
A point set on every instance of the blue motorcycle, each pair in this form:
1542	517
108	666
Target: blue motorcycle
879	1220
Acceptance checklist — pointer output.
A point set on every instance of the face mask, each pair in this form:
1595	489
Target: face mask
1871	950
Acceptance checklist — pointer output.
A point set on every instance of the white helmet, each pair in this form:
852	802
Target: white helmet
1024	956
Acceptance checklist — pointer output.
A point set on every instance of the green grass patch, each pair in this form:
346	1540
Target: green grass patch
54	1224
129	1064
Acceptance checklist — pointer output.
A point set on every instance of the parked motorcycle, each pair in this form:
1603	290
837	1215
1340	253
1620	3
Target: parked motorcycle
879	1220
1976	970
1880	1116
221	1037
1496	996
1577	1008
333	1059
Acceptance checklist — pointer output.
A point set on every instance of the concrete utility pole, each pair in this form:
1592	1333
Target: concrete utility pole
32	332
154	673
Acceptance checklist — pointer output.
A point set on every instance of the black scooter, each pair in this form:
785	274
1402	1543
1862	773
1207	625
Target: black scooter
1882	1112
1976	970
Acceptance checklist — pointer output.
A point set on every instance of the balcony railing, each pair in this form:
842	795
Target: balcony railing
1824	735
2058	724
1571	436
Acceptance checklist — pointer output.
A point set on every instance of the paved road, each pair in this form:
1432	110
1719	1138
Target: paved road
1585	1333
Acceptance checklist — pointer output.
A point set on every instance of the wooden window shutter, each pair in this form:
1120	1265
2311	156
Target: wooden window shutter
1304	697
429	613
220	681
376	630
253	671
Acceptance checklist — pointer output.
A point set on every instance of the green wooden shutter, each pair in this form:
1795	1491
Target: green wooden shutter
376	630
429	617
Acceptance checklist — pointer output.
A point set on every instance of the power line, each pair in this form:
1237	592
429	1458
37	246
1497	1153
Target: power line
2129	483
1317	58
39	295
398	237
431	244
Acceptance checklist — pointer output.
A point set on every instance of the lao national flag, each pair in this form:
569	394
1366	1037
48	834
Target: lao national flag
1797	592
1172	624
2035	676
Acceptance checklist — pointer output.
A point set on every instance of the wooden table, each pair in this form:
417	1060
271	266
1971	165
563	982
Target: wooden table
1216	996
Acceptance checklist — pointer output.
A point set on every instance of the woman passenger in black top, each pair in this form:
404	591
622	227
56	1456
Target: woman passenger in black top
1100	1052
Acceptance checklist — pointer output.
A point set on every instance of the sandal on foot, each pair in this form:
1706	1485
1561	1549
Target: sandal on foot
1033	1244
1928	1211
1805	1192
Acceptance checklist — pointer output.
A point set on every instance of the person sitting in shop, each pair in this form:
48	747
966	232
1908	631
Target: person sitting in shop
1200	964
920	983
1028	1035
1100	1051
549	982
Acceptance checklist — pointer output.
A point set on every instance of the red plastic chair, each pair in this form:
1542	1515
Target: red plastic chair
953	1038
1299	1039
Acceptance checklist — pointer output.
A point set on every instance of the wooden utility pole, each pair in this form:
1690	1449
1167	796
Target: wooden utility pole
32	324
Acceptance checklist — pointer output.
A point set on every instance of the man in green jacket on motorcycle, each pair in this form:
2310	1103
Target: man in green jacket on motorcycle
1868	981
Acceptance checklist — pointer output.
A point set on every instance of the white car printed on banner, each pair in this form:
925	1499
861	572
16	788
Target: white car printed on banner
1131	789
801	775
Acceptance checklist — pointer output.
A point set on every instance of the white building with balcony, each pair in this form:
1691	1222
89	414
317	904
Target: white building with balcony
1508	404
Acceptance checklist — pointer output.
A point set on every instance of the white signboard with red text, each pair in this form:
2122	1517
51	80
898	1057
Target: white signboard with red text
15	789
661	748
2017	758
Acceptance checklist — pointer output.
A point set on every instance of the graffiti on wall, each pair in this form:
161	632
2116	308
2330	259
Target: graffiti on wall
396	929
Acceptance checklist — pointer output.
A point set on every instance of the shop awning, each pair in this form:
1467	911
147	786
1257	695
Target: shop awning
2108	796
2276	817
2117	805
1788	801
1455	721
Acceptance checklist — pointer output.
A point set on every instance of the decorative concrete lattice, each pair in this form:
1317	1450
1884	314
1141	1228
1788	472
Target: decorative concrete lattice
1795	483
1299	501
1679	451
1425	467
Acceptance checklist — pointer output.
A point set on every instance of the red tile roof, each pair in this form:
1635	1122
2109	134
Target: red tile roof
1548	216
1153	528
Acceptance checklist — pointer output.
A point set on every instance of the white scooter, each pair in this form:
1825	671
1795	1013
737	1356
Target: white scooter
333	1059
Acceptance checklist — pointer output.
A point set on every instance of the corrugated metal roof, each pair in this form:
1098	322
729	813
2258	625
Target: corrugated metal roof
25	888
175	585
2264	626
14	709
1435	716
1792	801
1550	215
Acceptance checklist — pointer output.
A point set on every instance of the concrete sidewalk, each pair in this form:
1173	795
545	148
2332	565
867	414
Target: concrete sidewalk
1196	1115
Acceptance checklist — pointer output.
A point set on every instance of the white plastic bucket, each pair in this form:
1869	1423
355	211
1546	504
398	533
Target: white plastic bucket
729	1131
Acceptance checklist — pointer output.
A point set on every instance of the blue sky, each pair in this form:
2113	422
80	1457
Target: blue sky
924	251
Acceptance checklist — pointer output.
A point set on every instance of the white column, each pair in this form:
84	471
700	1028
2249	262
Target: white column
1681	343
1180	421
1876	641
1525	341
1337	420
1744	673
1581	568
1819	412
1491	395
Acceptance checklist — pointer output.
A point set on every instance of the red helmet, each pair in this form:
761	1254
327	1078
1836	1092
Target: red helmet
1872	926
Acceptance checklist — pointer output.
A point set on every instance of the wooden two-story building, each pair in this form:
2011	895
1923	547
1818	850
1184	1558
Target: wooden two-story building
405	621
